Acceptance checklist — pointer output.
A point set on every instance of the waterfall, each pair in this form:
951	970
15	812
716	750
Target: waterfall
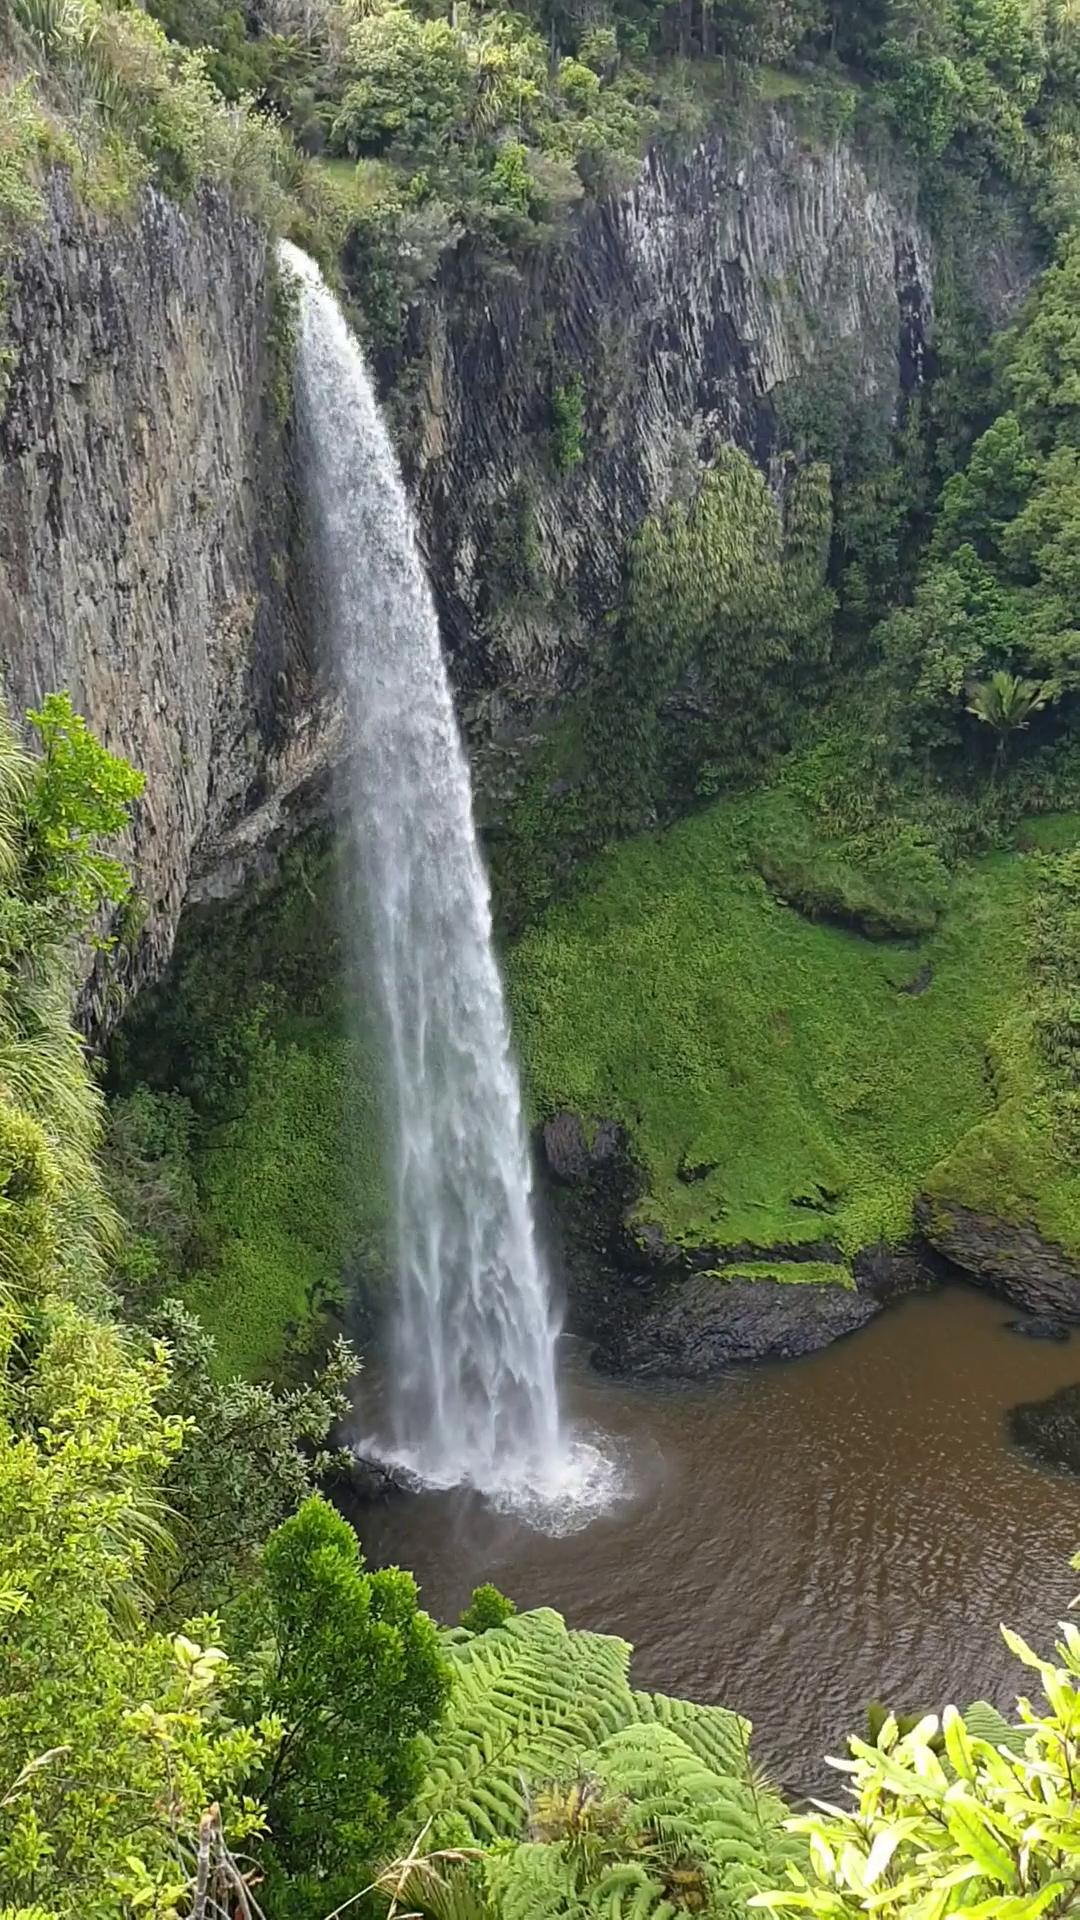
473	1395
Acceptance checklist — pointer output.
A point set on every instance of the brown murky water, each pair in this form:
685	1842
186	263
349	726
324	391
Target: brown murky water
800	1539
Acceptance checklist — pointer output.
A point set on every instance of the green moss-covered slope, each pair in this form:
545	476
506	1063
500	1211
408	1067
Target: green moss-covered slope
258	1029
291	1198
810	1079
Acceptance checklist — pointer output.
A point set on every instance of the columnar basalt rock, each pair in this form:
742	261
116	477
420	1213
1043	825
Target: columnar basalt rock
683	306
151	555
143	515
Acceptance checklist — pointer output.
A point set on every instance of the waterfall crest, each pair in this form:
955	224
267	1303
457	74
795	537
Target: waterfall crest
474	1396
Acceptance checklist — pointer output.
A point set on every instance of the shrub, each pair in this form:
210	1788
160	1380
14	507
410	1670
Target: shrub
963	1814
487	1608
355	1669
568	425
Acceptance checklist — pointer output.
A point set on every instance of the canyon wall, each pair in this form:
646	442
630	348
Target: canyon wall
143	532
151	559
684	307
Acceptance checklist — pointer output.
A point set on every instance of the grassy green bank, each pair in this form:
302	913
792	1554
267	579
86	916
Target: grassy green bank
786	1078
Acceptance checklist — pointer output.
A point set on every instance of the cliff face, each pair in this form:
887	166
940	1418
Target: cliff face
141	474
148	557
684	308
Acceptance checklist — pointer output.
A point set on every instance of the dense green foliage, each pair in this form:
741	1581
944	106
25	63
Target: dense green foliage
487	1608
251	1457
846	979
583	1794
354	1673
111	1742
136	1758
726	617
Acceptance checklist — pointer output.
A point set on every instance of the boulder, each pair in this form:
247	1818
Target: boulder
887	1273
1050	1429
570	1156
365	1481
1012	1260
704	1326
1039	1328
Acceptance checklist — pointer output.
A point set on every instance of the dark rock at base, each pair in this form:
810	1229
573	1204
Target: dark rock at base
1014	1261
704	1326
592	1182
365	1481
1039	1328
566	1150
647	1245
1050	1429
887	1273
568	1154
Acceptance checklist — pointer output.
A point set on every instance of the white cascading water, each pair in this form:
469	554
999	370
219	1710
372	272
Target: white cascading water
474	1396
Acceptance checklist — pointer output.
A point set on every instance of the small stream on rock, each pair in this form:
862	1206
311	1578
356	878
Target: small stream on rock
798	1539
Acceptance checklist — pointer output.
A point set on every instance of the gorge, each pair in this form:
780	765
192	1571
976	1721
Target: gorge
540	888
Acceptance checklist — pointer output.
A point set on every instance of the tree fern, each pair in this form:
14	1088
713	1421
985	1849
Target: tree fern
592	1800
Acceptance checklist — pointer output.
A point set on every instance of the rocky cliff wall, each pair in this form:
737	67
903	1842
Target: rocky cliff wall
684	307
143	516
149	559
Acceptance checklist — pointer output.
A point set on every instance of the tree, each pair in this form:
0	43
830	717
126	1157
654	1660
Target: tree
1043	374
1006	702
78	794
978	503
487	1608
412	84
252	1456
353	1670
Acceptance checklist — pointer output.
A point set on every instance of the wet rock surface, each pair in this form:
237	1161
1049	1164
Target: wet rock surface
144	517
1050	1429
706	1325
1013	1261
1040	1329
685	306
365	1481
887	1273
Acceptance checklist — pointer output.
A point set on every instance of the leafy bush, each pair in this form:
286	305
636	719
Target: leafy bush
252	1456
412	84
487	1608
354	1671
568	430
963	1814
577	1789
113	1738
80	793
